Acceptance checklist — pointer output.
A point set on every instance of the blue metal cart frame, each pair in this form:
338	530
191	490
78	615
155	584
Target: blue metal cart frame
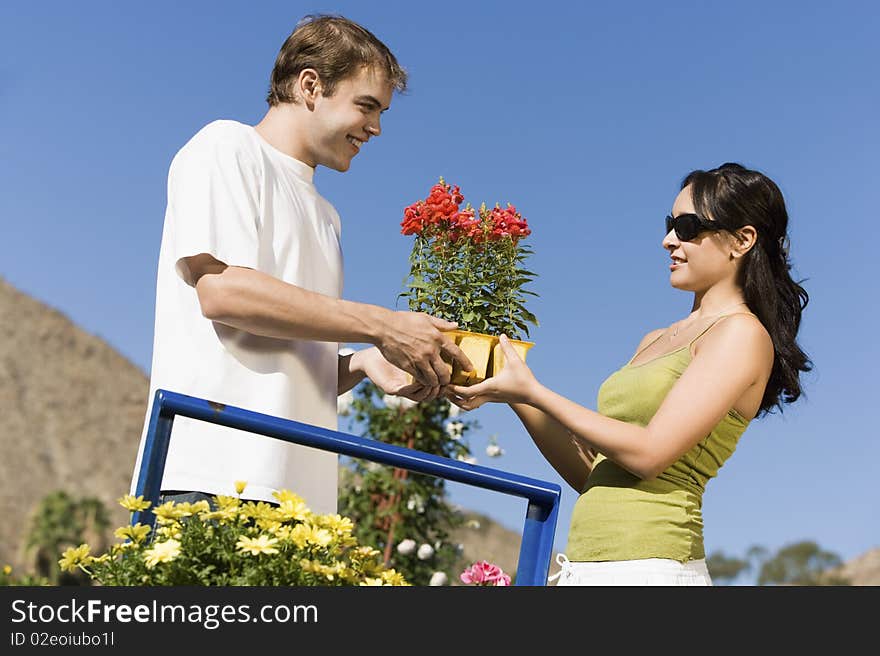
543	497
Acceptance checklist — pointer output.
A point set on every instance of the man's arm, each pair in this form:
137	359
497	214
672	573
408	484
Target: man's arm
260	304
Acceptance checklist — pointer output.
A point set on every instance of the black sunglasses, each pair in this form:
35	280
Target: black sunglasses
688	226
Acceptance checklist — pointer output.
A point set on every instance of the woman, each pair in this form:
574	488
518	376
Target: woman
672	415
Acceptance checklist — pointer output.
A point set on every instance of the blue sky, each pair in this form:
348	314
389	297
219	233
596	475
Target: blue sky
584	117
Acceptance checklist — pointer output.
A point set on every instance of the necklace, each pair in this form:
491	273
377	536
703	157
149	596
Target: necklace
676	330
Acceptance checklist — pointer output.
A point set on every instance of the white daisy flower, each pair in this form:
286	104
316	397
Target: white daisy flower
439	578
417	503
454	429
493	451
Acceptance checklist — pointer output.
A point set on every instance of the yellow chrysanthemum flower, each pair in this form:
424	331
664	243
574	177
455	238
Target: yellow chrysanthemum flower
222	515
367	551
223	502
122	547
306	534
299	535
372	568
162	552
334	570
133	503
136	533
200	507
350	575
256	546
287	495
320	537
240	486
258	510
373	582
282	532
187	509
392	577
294	509
270	525
167	511
338	523
171	530
74	557
7	570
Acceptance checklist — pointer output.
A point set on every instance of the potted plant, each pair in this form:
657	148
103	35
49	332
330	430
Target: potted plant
467	266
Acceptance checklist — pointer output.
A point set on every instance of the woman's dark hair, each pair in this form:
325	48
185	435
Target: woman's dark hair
735	196
336	48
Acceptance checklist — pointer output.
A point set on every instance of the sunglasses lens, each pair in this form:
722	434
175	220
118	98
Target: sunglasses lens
687	226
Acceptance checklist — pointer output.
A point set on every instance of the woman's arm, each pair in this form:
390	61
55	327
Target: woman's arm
733	356
569	455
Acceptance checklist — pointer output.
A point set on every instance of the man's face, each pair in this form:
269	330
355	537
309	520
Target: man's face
344	122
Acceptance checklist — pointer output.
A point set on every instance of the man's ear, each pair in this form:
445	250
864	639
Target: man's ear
743	240
308	85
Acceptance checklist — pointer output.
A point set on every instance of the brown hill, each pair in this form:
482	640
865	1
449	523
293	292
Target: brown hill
71	411
862	570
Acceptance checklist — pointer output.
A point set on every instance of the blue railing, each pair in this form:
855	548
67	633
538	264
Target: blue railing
543	498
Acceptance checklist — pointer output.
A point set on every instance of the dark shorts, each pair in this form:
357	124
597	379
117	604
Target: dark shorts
178	496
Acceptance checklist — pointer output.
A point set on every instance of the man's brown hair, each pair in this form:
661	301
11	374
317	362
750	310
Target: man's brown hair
336	48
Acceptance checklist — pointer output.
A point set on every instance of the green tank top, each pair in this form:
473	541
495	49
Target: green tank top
619	516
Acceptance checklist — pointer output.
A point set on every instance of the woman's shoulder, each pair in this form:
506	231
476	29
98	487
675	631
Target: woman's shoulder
742	331
743	324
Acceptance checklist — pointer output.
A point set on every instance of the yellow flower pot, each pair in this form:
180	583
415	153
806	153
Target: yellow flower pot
519	346
484	352
478	347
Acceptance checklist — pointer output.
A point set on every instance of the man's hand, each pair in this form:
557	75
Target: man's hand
413	341
389	378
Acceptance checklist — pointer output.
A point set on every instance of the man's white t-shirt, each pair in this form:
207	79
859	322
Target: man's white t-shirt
234	196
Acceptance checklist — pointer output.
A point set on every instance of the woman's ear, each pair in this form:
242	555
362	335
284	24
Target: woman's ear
743	240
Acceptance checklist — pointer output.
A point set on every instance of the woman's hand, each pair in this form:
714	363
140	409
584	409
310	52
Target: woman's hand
515	384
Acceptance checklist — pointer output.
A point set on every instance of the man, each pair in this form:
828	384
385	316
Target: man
248	307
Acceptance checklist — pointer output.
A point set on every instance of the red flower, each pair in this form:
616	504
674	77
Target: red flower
414	219
466	226
507	222
436	213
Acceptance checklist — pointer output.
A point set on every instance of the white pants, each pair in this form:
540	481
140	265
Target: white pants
647	571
